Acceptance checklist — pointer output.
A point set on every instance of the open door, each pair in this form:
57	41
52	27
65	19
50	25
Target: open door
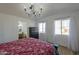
22	30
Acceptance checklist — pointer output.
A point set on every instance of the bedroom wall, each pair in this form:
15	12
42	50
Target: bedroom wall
9	27
1	34
71	41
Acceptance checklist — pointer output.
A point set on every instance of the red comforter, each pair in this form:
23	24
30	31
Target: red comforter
28	46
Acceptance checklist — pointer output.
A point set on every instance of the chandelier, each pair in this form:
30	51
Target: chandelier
33	10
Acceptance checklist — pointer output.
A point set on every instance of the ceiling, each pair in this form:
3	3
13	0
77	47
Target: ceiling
17	9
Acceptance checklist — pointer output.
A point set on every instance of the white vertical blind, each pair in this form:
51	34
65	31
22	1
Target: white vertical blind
58	27
42	27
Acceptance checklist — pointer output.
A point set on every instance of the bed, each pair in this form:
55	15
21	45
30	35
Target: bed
29	46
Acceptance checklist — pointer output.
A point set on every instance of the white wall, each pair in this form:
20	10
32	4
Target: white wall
1	31
71	41
9	27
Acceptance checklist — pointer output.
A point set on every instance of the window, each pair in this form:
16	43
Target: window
65	27
42	26
62	27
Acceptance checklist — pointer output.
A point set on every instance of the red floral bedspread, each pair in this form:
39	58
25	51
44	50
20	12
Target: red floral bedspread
28	46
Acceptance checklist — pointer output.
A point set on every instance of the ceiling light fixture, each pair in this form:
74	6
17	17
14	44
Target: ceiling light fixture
32	10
